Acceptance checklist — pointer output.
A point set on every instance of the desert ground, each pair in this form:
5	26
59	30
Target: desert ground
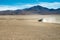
27	27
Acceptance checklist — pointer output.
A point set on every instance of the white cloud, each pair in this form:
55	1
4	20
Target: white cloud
53	5
5	7
15	7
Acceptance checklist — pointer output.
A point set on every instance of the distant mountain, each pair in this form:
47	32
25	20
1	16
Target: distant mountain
32	11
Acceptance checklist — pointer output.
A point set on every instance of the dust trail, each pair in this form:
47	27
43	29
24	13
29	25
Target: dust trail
51	19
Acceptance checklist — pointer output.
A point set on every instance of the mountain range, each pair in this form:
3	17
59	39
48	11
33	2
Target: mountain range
39	10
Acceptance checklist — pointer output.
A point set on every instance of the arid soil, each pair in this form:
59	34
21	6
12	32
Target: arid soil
27	28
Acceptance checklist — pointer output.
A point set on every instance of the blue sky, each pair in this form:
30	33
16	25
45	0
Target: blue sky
21	4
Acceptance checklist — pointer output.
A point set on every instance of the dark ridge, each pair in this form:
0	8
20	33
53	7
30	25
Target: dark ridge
32	11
